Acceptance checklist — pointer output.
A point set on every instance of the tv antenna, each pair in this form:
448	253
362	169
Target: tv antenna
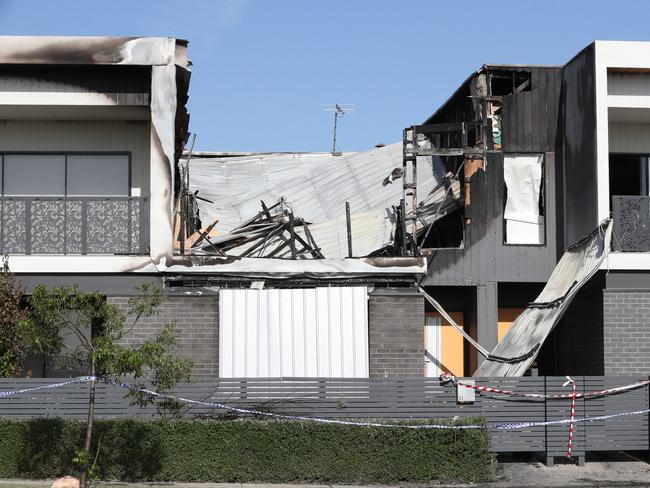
339	110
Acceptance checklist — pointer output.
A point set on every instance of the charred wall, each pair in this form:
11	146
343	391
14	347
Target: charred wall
485	256
126	85
579	128
530	118
529	125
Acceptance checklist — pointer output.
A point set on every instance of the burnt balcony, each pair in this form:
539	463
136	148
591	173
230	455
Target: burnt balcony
74	225
631	223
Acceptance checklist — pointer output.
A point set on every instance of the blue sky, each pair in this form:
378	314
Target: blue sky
262	68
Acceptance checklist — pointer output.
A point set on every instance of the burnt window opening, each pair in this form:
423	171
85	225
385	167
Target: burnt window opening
509	82
524	201
448	232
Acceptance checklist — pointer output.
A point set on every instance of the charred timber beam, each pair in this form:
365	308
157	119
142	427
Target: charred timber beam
467	151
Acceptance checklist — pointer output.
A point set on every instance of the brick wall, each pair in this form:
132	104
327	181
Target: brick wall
197	320
627	331
396	332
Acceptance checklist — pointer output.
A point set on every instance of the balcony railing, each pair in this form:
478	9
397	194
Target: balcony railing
631	223
74	225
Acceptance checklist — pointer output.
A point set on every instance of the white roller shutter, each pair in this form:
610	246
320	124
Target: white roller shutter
315	332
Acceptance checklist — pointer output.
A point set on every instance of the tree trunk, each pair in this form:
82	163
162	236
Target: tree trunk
84	482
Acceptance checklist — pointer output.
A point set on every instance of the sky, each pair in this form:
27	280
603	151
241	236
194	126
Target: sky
264	69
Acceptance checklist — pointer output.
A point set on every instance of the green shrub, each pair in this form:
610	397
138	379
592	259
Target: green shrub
248	450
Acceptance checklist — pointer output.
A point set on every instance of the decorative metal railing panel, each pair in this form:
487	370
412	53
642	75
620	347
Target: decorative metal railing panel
631	223
74	225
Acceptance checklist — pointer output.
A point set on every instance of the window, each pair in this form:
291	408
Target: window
52	175
98	175
42	175
628	174
524	210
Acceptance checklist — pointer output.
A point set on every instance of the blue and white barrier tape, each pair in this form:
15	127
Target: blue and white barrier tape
294	417
501	426
524	425
81	379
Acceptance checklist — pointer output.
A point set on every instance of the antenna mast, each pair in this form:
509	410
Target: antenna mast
339	110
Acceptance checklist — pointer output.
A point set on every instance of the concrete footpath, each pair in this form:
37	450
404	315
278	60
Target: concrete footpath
618	473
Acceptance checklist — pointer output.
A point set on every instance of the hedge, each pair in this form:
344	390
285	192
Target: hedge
247	451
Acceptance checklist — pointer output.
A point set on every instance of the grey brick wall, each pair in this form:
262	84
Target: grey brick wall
197	320
627	331
396	332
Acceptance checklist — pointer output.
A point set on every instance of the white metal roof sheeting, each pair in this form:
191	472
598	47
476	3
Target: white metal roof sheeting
317	185
529	331
371	230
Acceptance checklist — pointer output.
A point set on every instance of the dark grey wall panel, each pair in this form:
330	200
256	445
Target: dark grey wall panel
628	280
529	125
530	118
577	345
579	121
120	285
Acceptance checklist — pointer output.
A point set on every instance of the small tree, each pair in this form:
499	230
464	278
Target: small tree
12	313
61	312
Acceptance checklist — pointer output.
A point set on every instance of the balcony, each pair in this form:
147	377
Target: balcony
631	223
74	225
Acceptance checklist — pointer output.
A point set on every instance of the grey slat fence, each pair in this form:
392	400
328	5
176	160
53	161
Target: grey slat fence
387	398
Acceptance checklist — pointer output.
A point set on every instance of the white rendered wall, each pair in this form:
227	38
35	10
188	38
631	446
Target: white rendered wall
625	93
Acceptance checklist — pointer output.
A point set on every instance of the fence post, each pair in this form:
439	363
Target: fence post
583	427
549	458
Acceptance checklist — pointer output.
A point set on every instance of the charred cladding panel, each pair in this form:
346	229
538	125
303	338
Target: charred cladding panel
485	256
125	85
579	120
530	118
528	101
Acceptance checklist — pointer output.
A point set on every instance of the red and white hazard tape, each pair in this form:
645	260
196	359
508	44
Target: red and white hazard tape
447	377
573	413
451	425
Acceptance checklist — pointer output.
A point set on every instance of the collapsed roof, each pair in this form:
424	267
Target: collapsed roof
313	188
522	342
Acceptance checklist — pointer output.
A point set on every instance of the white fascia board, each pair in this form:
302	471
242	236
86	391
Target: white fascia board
55	98
627	261
628	101
249	267
81	264
623	54
602	133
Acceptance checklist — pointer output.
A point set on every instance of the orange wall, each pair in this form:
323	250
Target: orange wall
451	345
506	317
